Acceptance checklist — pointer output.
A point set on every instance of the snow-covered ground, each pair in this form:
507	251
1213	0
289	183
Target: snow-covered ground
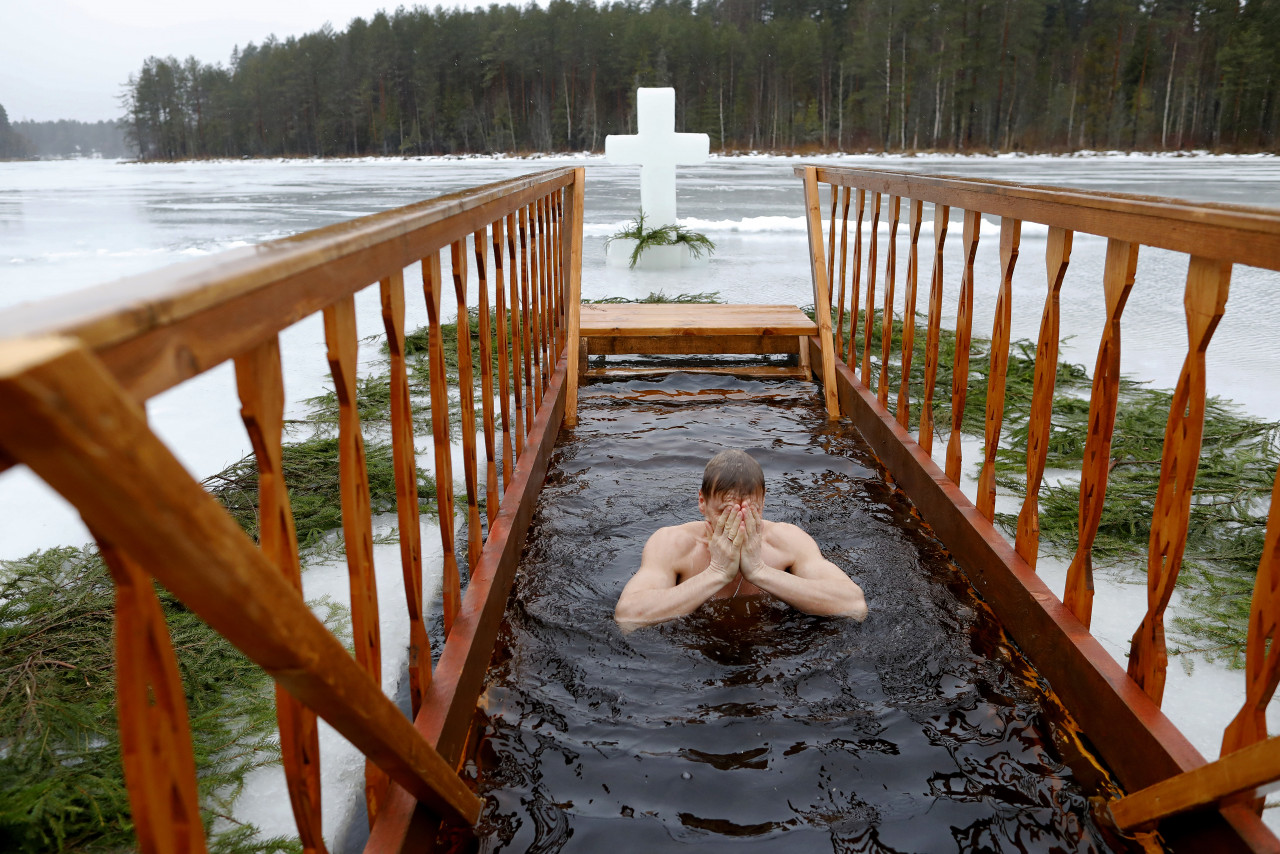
68	225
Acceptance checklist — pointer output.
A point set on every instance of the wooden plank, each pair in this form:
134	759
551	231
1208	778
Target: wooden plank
725	370
700	345
1208	283
914	216
1250	770
451	583
450	709
162	327
151	711
933	333
692	320
260	382
408	513
1134	738
571	248
64	416
357	519
1117	280
1234	233
993	419
964	336
1057	256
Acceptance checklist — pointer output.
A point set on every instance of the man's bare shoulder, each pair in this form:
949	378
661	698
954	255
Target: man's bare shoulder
676	538
784	533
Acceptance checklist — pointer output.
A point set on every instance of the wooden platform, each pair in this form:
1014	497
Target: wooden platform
675	328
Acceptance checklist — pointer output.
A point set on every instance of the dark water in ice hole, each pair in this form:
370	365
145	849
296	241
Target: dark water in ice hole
921	729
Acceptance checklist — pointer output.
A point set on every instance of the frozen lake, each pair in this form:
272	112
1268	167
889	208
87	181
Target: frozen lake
69	225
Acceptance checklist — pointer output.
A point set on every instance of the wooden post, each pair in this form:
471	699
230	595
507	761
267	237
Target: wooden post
467	397
886	316
491	494
1057	256
504	354
933	335
914	215
571	250
451	583
1010	233
821	296
260	381
357	519
1208	282
869	316
151	710
1120	268
1262	653
964	336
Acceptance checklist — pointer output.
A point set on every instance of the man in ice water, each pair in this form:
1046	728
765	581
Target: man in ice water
734	552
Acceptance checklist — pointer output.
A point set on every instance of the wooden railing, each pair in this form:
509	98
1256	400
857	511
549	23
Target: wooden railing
74	371
1118	710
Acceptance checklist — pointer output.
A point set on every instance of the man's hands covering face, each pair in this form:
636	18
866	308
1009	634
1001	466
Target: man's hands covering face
724	541
752	554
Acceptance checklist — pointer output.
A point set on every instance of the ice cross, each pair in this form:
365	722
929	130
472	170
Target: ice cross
658	149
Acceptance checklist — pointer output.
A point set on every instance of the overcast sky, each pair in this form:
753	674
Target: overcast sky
69	59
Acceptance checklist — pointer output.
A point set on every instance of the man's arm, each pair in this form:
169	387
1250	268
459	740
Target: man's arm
653	596
815	585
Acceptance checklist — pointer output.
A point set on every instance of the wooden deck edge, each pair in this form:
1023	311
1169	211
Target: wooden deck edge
1132	735
449	703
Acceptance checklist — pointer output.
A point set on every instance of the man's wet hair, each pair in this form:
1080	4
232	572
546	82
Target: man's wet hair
732	471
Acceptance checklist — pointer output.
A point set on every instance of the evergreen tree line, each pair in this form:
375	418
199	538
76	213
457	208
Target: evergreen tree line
70	138
13	145
967	75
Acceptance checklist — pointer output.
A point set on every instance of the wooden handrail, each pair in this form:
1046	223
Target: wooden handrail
1213	238
73	372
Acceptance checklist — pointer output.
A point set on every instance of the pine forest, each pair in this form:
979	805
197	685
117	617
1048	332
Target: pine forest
769	75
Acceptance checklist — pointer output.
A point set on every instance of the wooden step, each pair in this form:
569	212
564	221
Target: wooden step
668	320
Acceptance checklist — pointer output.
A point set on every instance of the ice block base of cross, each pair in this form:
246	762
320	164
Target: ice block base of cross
673	257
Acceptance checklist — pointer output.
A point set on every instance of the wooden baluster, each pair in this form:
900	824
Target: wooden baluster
1262	652
831	252
1010	233
357	520
504	357
532	331
964	336
151	709
844	262
557	266
1057	256
933	335
1117	281
519	353
1208	282
571	263
491	495
886	316
451	583
538	289
915	212
467	395
259	379
869	319
856	283
548	292
408	513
